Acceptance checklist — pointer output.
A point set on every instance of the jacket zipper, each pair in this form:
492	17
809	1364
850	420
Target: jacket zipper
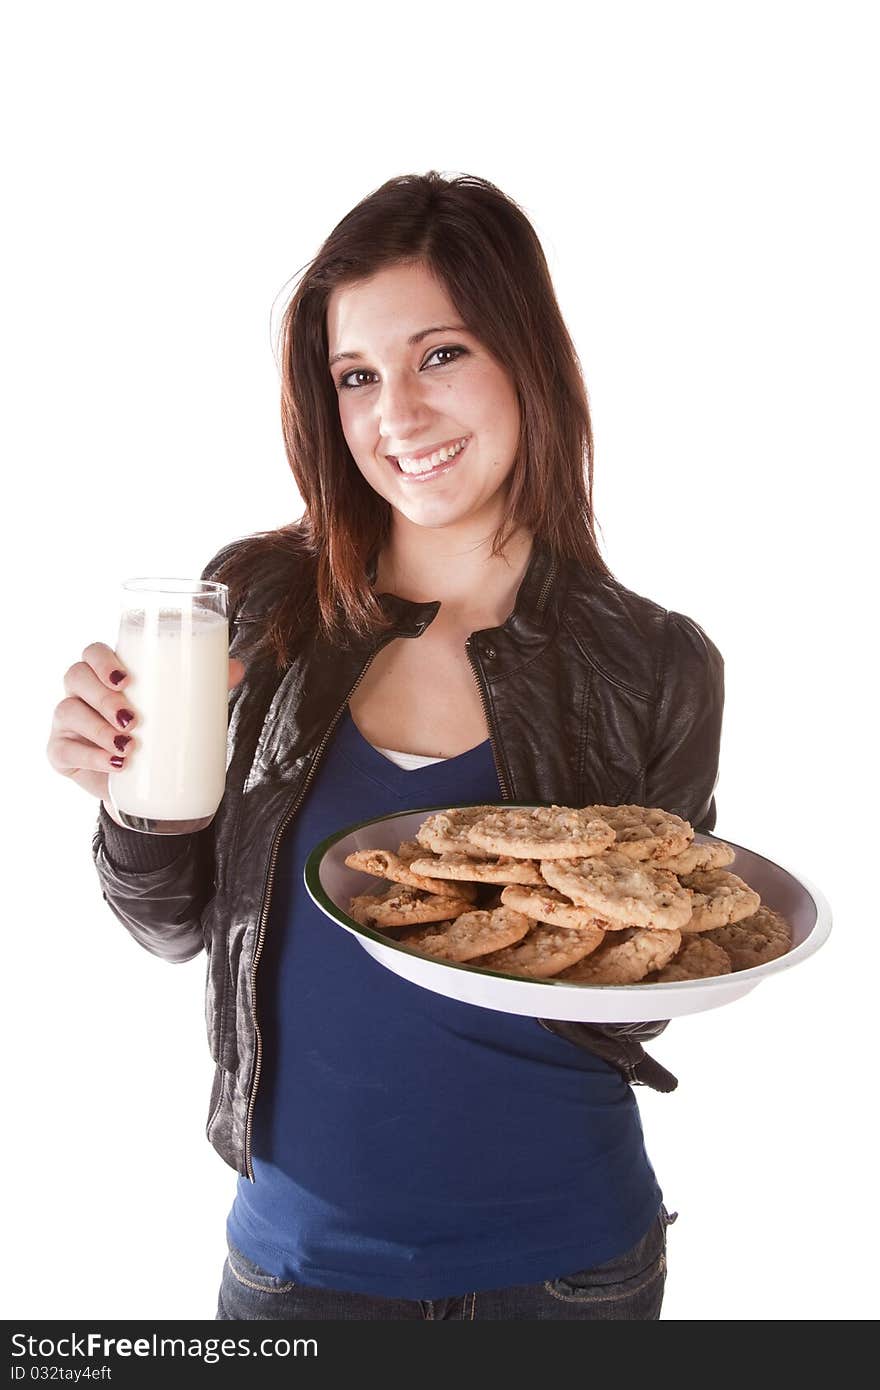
264	914
502	780
551	574
505	786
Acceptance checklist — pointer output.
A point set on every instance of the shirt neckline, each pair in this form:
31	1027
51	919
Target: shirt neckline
369	759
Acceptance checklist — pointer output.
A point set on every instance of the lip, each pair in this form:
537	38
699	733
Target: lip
431	449
438	472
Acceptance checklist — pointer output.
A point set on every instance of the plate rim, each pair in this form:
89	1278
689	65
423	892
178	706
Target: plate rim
816	938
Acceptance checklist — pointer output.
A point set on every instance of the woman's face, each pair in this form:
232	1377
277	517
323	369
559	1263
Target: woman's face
400	398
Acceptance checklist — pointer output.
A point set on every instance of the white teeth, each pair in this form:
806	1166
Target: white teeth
426	464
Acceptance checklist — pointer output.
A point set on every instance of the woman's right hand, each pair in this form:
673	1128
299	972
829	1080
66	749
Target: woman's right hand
90	728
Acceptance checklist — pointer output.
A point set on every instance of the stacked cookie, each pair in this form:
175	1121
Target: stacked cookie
597	895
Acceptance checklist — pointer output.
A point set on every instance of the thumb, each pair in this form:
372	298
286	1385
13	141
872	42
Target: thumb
236	671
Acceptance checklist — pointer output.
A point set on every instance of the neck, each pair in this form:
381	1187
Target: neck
456	566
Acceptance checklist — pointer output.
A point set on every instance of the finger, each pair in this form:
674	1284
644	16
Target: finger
73	718
236	671
83	682
72	755
106	664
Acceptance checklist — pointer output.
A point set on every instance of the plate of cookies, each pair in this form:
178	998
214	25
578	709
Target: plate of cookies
594	914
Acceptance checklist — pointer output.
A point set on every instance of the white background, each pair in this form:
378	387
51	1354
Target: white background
700	177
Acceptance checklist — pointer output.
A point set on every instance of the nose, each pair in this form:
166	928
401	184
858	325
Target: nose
402	410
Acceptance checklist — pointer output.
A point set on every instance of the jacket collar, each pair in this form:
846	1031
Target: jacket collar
532	598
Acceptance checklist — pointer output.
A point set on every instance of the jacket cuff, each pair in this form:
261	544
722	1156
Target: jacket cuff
132	851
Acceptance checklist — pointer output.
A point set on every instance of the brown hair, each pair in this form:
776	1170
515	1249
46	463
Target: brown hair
481	246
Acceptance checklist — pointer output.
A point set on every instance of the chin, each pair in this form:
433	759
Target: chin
436	509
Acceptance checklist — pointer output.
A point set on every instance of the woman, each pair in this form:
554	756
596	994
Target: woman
437	629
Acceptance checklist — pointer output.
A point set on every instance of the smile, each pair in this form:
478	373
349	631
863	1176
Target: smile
433	464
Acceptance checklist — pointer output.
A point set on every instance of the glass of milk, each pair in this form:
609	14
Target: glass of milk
174	643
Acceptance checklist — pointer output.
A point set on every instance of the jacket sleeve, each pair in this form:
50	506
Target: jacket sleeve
160	906
682	770
158	885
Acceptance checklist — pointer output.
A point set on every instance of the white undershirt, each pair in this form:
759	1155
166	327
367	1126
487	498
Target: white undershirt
408	761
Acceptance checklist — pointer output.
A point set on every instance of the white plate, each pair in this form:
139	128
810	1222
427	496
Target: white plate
331	885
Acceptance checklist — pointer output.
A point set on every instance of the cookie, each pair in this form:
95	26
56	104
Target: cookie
445	832
719	897
458	865
698	958
545	951
754	940
541	832
471	935
384	863
548	905
634	894
404	906
713	855
625	958
645	832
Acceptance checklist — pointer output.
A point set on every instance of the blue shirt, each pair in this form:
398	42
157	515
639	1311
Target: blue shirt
406	1144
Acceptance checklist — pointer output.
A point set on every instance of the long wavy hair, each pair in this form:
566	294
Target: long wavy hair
481	246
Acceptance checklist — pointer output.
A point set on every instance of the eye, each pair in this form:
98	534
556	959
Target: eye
346	385
457	351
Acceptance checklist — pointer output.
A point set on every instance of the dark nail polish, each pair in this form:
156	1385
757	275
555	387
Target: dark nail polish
124	717
117	676
117	762
121	740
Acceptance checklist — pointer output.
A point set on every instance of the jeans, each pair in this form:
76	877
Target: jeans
629	1286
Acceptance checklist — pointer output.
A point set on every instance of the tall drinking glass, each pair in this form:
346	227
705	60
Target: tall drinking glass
174	643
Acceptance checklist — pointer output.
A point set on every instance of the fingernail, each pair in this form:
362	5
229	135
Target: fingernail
121	740
116	762
124	717
117	676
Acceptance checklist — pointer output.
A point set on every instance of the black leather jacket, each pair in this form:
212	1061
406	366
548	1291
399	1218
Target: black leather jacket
592	694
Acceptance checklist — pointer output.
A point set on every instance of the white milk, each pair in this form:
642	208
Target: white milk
178	663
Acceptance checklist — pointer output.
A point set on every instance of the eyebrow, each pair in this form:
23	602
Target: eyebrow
411	342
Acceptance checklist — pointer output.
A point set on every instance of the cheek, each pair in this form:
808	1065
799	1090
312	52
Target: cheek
496	400
361	440
374	475
348	418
